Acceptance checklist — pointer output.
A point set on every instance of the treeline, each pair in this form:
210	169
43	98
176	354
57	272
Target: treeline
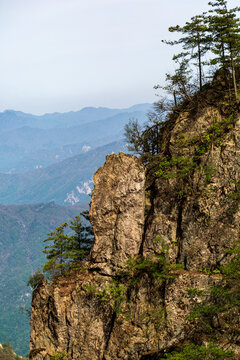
210	51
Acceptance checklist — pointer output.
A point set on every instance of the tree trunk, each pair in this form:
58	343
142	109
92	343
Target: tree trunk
233	71
199	62
175	98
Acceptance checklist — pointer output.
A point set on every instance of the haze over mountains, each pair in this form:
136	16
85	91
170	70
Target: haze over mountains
46	163
67	183
22	230
28	142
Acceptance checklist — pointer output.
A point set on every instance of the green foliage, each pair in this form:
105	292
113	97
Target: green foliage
209	171
117	292
22	228
199	352
90	289
113	292
36	279
179	83
231	270
216	311
215	132
183	167
145	139
195	292
195	42
216	32
7	353
57	252
234	195
156	268
81	240
59	356
224	25
208	271
65	251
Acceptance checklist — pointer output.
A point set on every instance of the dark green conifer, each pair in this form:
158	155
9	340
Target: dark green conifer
195	41
81	240
57	253
224	26
66	249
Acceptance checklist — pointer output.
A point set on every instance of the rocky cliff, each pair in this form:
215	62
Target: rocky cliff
158	232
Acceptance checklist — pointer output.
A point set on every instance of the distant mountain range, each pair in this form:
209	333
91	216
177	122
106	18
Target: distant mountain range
28	141
44	161
68	182
11	119
22	230
53	157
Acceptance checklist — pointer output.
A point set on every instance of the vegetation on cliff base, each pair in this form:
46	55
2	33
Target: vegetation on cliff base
59	356
214	317
7	353
199	352
120	291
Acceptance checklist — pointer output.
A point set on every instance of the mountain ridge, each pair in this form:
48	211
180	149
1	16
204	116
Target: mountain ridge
90	113
23	146
53	183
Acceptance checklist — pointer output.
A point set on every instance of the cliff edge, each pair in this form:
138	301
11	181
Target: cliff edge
158	232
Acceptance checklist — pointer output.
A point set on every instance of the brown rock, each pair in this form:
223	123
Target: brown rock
89	316
117	210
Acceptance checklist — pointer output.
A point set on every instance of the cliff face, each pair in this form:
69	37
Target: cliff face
188	212
117	211
200	214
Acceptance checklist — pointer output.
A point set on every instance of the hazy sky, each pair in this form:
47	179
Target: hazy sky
60	55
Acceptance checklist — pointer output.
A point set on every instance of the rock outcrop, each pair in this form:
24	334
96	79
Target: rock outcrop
117	210
189	207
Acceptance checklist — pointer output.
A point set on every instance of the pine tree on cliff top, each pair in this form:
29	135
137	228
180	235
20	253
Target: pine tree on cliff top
195	41
217	33
224	26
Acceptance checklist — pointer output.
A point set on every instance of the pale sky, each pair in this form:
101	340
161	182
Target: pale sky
61	55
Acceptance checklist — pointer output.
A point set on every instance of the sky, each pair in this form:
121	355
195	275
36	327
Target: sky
61	55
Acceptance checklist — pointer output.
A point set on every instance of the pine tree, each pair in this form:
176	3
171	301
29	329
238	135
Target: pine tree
224	26
66	249
195	41
179	84
57	253
145	140
82	238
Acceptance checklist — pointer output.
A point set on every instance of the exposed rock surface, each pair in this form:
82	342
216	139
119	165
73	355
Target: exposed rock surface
88	315
117	210
198	217
67	319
